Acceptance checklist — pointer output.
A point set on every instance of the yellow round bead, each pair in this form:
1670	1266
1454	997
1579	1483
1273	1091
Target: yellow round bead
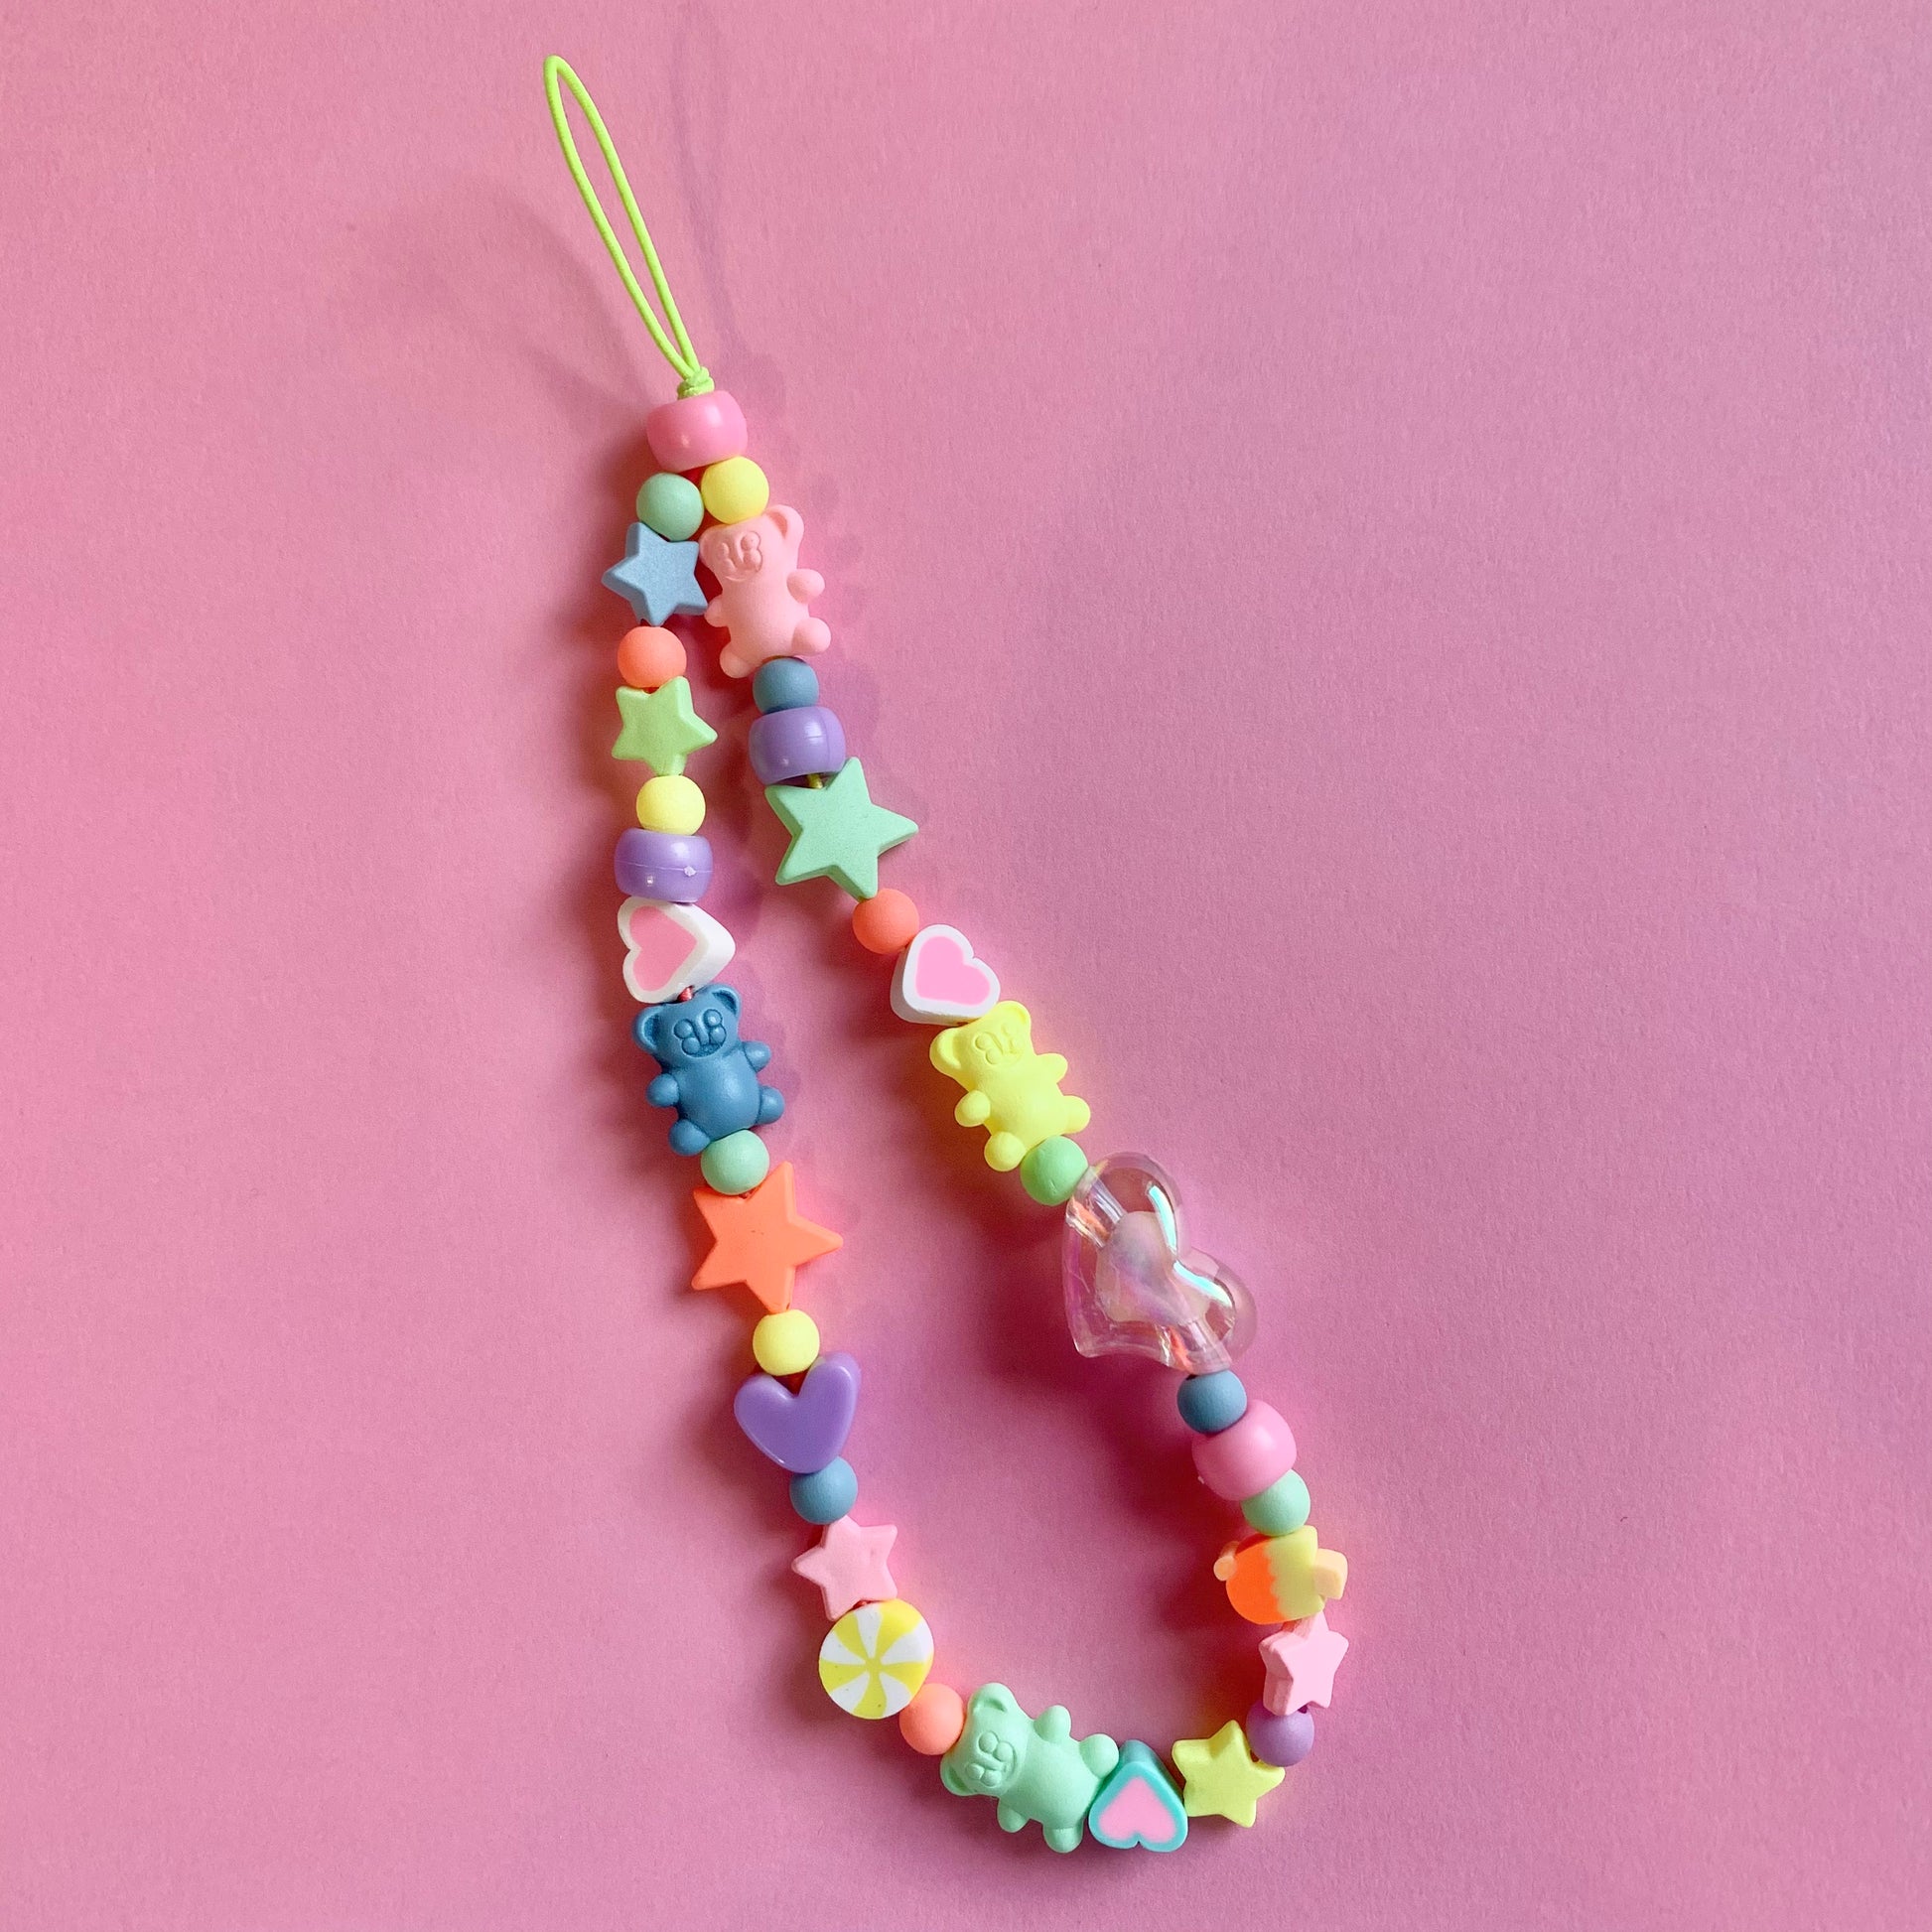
786	1343
734	490
669	805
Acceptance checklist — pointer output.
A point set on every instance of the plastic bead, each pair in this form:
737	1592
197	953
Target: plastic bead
695	432
1213	1402
671	803
938	980
786	1343
762	594
802	742
875	1658
848	1564
1281	1578
826	1494
648	657
661	729
1280	1508
669	947
1300	1664
932	1721
784	684
884	922
837	831
734	491
1280	1740
1011	1091
671	504
658	580
1035	1768
802	1430
1138	1805
736	1163
1222	1780
1132	1284
663	866
759	1239
1245	1457
708	1074
1051	1170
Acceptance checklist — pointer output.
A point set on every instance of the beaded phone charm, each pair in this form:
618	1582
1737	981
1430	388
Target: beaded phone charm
1131	1283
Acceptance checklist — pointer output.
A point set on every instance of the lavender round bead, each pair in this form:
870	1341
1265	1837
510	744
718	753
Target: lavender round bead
1284	1739
674	867
796	744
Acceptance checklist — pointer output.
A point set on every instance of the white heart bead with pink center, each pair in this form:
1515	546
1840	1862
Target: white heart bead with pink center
938	981
669	947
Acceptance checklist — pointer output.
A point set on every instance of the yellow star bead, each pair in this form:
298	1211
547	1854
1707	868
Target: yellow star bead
1222	1780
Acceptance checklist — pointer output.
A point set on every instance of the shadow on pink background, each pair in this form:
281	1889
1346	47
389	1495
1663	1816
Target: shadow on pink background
1387	549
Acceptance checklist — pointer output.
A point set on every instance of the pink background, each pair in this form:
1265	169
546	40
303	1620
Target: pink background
1387	547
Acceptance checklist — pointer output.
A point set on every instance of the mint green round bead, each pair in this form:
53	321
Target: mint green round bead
736	1163
671	506
1280	1508
1051	1170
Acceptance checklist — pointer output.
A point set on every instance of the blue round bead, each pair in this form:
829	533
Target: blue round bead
826	1494
784	684
1209	1404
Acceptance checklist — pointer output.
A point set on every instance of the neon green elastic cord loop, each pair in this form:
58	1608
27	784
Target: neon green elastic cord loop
693	379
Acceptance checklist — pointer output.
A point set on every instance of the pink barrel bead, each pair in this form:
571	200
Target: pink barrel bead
1243	1460
695	431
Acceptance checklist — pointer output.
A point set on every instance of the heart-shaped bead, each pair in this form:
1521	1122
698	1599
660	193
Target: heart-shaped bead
1133	1287
669	947
1138	1805
801	1433
938	980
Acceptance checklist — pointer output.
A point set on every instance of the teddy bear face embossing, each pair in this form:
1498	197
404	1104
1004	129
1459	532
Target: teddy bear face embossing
692	1029
986	1759
1004	1038
734	553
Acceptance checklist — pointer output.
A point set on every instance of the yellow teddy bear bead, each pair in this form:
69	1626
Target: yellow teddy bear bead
1011	1091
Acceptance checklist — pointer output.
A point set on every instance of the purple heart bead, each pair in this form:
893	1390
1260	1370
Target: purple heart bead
803	1432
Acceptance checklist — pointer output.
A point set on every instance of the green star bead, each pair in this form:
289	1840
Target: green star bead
837	831
660	726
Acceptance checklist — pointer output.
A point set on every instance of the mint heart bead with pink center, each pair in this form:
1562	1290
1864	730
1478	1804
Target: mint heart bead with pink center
1138	1805
1134	1287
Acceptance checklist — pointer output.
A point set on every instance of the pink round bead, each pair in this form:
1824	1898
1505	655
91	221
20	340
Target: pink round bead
695	431
1242	1460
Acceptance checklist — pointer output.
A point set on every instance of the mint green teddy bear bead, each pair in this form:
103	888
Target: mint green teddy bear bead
1037	1769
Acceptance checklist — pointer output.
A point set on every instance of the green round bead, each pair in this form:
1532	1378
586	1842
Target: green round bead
736	1163
671	506
1051	1170
1280	1508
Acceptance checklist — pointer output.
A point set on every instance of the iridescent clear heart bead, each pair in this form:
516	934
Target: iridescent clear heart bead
1132	1285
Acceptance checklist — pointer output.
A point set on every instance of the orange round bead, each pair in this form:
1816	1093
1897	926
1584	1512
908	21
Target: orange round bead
648	657
932	1721
886	923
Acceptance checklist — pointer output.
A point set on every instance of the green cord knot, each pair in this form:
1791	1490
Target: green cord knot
697	383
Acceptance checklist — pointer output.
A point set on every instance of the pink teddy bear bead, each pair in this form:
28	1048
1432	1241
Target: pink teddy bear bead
762	594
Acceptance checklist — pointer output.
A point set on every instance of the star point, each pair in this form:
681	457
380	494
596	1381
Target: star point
848	1564
1222	1779
759	1239
837	831
1301	1662
661	729
657	579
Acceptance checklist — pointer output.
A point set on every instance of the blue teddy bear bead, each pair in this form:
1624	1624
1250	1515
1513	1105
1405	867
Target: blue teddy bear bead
710	1075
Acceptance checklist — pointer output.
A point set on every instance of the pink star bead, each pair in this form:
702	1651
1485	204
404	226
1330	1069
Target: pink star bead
1301	1662
848	1565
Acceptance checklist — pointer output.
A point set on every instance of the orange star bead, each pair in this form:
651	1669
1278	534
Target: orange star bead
759	1239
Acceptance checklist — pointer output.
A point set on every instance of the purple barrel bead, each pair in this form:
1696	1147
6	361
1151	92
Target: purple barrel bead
1285	1739
796	744
674	867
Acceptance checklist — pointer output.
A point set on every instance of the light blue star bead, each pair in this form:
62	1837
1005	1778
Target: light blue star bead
657	579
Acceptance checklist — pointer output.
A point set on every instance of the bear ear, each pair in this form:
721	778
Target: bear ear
712	543
944	1053
997	1697
644	1029
789	522
725	997
1015	1024
953	1781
